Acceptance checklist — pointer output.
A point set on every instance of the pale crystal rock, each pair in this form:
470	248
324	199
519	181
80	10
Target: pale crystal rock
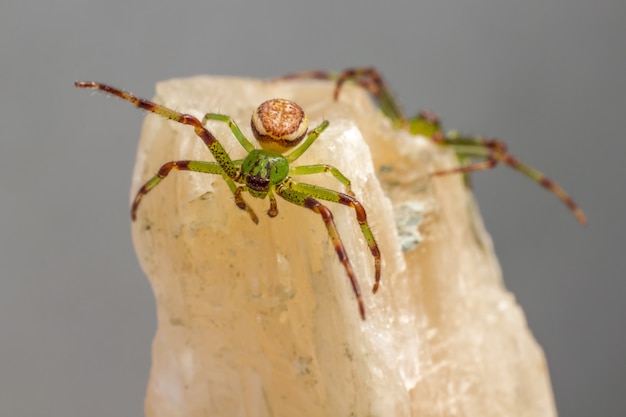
260	320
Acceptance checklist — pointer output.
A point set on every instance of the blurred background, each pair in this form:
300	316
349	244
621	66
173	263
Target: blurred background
548	76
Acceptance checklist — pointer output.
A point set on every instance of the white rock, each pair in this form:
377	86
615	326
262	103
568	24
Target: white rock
260	320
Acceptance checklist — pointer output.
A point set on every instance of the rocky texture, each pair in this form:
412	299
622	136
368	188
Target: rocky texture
260	320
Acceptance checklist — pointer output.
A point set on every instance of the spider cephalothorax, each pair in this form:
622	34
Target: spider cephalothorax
279	125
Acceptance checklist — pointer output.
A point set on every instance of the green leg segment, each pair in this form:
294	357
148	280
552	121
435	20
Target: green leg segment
317	169
249	147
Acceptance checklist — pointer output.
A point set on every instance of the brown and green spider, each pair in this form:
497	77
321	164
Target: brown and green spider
278	125
488	152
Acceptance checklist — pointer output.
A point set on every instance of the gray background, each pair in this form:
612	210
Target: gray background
548	76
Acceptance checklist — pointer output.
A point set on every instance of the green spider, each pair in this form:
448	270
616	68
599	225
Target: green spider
488	151
278	125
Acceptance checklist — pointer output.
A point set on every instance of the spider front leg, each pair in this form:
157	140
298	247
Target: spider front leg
361	216
216	148
195	166
303	200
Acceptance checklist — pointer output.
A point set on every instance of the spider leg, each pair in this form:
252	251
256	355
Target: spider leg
372	81
361	216
495	151
216	148
309	75
464	169
429	124
426	123
195	166
311	137
240	202
355	74
317	169
273	211
303	200
233	128
369	79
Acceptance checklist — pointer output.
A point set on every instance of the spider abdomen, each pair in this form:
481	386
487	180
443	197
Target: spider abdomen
279	124
262	170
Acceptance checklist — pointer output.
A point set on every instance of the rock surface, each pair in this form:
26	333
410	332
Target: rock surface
260	320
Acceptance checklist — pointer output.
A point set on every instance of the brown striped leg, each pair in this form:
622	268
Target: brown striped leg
495	151
195	166
273	210
306	201
367	77
361	216
220	154
240	202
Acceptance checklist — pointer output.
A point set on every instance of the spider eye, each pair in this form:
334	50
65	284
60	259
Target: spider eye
279	124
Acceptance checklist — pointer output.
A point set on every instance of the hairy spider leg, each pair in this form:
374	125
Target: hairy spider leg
301	199
195	166
216	148
321	193
428	124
